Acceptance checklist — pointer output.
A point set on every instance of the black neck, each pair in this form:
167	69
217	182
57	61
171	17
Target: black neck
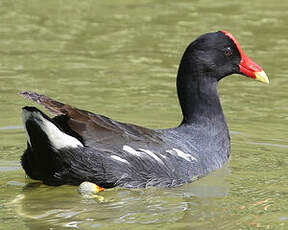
198	96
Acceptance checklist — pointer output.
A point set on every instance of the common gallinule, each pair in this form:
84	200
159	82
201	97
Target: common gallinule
77	145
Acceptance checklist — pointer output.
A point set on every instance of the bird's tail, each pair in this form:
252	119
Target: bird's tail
45	140
54	107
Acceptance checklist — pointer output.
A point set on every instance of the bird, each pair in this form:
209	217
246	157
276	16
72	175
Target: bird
77	146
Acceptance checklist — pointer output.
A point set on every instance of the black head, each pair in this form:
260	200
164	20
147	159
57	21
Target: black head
205	61
218	55
213	54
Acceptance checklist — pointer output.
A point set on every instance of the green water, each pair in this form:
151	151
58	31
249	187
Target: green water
120	58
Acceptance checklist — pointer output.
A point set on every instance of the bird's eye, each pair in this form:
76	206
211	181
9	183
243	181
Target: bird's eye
228	51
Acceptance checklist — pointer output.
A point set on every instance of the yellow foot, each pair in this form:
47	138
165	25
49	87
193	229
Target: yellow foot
88	189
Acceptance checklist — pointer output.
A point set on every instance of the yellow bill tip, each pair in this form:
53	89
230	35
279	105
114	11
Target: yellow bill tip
261	76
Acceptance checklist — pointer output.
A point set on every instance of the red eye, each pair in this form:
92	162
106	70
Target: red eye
228	51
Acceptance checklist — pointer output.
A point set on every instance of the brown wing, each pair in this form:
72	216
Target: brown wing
94	129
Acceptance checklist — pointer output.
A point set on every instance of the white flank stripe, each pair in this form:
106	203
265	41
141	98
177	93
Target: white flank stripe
181	154
170	151
152	155
119	159
186	156
131	150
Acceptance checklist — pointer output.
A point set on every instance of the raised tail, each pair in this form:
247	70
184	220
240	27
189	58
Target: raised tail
45	140
54	107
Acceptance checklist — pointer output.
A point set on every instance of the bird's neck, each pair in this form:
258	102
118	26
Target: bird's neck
198	97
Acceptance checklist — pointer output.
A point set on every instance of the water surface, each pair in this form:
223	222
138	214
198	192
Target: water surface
120	58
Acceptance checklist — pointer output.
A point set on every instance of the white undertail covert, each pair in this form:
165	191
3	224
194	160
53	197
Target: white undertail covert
57	138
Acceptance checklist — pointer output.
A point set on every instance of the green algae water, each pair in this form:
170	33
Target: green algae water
120	59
